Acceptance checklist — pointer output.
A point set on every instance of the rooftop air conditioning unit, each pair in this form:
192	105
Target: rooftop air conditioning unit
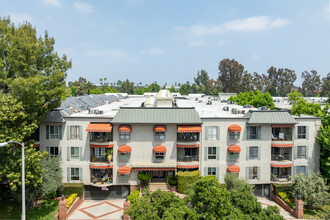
243	112
246	106
101	112
263	108
96	111
234	111
226	108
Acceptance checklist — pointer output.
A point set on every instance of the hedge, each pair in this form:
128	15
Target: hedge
286	188
71	188
186	180
134	196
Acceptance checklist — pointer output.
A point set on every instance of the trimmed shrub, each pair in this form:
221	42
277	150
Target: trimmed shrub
172	180
285	198
144	177
134	196
286	188
70	200
71	188
186	180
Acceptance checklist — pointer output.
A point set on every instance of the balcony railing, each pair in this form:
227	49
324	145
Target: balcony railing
281	157
101	140
188	158
282	137
280	178
186	137
100	159
98	180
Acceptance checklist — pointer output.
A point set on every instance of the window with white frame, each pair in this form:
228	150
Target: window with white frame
301	132
211	133
253	173
74	132
159	136
159	156
301	152
53	151
74	173
234	135
212	153
212	171
253	153
54	131
74	152
124	135
253	132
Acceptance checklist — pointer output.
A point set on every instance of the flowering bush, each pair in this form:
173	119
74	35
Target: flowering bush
285	198
70	200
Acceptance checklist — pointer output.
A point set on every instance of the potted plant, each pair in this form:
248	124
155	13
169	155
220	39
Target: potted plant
103	180
144	178
172	181
108	153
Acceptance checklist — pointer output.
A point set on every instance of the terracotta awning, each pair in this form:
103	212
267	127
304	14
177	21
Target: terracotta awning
234	149
99	128
282	145
159	149
187	166
100	166
124	128
281	165
102	146
187	145
233	169
283	126
124	149
124	170
159	128
36	145
153	168
234	128
189	128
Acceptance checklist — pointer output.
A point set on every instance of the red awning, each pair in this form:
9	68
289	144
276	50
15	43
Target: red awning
153	168
100	166
159	128
36	145
282	145
124	149
187	146
189	128
234	149
233	169
283	126
187	166
234	128
281	165
99	128
124	128
124	170
102	146
159	149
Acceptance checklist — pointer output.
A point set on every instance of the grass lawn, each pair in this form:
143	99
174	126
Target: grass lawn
13	210
313	214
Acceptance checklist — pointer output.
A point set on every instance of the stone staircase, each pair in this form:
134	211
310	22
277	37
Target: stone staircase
158	185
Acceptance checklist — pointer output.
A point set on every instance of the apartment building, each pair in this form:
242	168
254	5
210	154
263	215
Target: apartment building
163	135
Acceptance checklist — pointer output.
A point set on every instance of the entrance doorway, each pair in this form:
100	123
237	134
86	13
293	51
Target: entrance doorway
158	175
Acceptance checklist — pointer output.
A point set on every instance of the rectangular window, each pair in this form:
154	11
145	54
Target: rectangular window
301	169
233	156
302	132
74	132
211	133
234	135
253	132
124	135
212	153
74	152
301	152
124	156
159	156
54	132
253	153
253	173
74	173
212	171
124	178
53	151
159	135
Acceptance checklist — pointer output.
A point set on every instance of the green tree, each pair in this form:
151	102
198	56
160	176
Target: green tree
30	69
312	83
294	96
230	75
254	98
312	189
51	176
259	81
280	81
247	82
127	87
326	87
201	78
324	140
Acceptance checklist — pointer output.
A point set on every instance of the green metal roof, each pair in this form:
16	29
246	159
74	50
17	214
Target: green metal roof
157	115
269	117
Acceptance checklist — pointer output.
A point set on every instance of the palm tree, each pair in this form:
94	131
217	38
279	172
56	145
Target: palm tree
89	86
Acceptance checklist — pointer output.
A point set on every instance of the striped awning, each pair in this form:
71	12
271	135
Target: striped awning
234	128
124	170
187	145
153	168
99	128
124	128
281	165
282	145
189	128
159	128
283	126
159	149
100	166
102	145
187	166
124	149
233	169
234	149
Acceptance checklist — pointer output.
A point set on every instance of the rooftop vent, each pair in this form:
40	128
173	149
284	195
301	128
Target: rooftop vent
234	111
226	108
246	106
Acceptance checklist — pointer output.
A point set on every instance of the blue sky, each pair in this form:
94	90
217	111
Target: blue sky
169	41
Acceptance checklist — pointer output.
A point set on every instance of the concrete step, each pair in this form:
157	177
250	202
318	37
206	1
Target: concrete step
155	186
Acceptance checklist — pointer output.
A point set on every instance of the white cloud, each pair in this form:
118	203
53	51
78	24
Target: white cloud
111	54
258	23
220	43
196	43
83	7
19	18
153	51
55	3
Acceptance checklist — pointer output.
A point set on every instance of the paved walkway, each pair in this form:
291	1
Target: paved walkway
102	209
267	202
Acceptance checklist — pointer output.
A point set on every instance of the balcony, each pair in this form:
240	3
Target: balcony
102	159
101	177
282	157
101	137
282	134
281	154
280	174
188	158
188	137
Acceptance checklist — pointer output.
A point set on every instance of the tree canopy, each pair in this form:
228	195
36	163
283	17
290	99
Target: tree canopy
280	81
254	98
230	75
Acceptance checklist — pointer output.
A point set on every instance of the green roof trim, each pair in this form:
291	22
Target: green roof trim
140	115
270	117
